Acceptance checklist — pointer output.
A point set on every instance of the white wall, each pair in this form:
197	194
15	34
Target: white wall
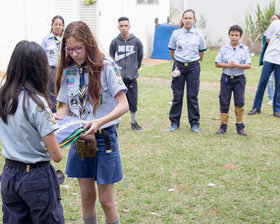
141	20
221	14
22	19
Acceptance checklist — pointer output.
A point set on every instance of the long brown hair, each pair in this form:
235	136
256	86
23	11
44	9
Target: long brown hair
27	72
94	59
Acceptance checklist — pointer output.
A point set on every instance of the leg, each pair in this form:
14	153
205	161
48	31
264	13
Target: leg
88	194
270	87
239	101
276	101
266	72
177	86
52	88
224	100
193	83
106	198
15	209
132	95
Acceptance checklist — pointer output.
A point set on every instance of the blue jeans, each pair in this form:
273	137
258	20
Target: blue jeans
266	72
270	90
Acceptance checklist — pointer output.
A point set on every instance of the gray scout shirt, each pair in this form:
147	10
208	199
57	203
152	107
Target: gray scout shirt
22	139
111	83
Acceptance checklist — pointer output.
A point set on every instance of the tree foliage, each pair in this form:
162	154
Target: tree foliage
256	24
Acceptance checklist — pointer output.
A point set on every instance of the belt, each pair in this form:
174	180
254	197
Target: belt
233	76
24	166
188	63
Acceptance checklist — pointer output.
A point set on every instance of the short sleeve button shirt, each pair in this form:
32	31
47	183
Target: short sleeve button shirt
111	83
240	55
187	44
23	139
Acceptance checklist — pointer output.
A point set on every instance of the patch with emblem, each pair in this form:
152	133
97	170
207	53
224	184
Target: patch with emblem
40	109
120	82
116	72
48	115
71	72
53	121
70	81
73	102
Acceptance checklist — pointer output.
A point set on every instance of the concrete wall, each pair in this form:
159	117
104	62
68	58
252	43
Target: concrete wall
22	19
31	20
220	15
141	20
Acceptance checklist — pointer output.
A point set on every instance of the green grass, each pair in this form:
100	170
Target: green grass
209	73
166	174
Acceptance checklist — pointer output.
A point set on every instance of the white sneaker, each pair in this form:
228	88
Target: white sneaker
270	102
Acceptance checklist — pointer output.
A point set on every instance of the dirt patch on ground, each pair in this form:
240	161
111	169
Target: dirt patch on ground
153	61
203	85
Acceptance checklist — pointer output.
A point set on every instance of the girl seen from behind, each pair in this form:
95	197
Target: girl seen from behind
29	185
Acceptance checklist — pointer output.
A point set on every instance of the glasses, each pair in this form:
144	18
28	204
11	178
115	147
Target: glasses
78	50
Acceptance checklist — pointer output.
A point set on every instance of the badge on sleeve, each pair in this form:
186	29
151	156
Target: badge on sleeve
40	109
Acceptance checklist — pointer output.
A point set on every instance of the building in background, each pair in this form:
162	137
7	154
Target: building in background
215	17
31	20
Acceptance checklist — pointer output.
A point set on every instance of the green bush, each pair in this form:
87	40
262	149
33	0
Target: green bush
256	24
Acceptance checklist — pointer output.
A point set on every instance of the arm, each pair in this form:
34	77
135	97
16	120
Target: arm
201	55
53	147
232	64
172	54
140	54
118	111
64	110
267	40
112	49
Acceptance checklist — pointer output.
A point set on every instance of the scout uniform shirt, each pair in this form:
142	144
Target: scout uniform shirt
51	45
111	84
241	55
23	139
187	44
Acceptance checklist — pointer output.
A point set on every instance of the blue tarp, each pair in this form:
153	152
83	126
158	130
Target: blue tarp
162	35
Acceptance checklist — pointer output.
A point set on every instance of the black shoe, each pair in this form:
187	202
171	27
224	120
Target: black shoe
254	111
135	126
276	114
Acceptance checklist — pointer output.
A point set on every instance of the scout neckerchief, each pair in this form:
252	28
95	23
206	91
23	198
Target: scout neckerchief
82	89
58	41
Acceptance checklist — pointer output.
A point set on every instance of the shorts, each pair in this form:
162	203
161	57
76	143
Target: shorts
132	94
31	197
105	168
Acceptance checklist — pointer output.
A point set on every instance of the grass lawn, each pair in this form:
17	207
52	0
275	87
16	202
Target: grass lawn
182	177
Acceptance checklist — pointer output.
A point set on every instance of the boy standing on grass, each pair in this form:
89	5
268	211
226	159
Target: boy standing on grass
234	58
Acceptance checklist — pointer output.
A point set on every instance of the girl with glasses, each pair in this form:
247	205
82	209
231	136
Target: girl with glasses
89	87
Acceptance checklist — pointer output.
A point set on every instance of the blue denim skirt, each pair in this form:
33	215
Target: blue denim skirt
105	168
